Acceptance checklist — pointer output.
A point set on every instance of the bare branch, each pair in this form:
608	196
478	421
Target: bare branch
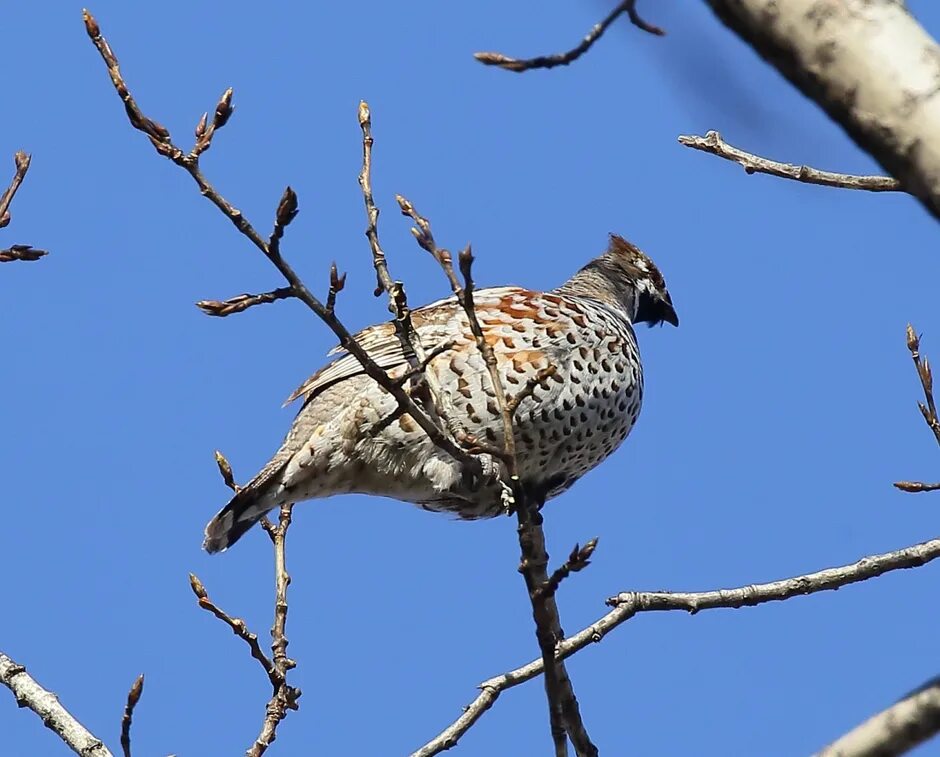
237	304
337	283
16	251
564	714
160	139
563	59
285	696
578	560
239	628
629	604
928	409
21	161
713	143
877	79
133	697
895	730
46	705
21	252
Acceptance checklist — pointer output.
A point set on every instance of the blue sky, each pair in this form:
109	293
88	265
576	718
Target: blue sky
775	419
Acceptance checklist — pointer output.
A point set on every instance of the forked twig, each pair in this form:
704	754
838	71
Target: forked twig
713	143
630	604
17	251
564	713
518	65
928	408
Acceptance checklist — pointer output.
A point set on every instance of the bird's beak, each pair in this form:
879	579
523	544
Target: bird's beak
668	313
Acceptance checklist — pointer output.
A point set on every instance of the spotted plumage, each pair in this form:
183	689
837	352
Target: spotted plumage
342	440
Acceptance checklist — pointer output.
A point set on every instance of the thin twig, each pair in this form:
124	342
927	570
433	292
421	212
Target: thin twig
21	160
578	560
239	628
928	409
563	59
21	252
133	697
160	139
713	143
240	302
17	251
46	705
629	604
895	730
564	714
285	696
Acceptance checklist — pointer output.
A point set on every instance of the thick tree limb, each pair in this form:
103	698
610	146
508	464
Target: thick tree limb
46	705
563	59
868	64
713	143
895	730
629	604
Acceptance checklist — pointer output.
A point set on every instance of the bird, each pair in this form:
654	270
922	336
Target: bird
349	438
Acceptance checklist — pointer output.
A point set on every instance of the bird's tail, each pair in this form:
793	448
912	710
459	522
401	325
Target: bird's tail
243	510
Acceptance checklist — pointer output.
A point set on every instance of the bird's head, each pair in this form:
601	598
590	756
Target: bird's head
626	278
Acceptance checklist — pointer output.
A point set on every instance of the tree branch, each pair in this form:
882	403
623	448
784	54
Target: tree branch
18	251
133	697
868	64
629	604
564	714
285	696
895	730
46	705
713	143
160	139
21	252
21	160
928	409
563	59
237	304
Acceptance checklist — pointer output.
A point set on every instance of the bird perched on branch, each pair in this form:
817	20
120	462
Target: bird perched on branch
569	356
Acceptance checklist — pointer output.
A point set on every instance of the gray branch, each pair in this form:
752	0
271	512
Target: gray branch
868	64
628	604
46	705
895	730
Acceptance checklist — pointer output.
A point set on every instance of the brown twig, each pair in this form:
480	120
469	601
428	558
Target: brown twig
21	252
629	604
285	696
21	160
237	304
713	143
46	705
17	251
578	560
160	139
896	729
563	59
564	714
928	408
133	697
239	628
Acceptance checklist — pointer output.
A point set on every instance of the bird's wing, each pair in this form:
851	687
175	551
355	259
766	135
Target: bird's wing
434	323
